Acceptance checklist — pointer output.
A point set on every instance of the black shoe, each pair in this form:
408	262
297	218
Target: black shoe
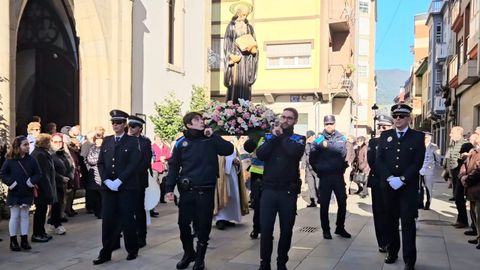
459	225
142	243
100	260
254	234
478	246
48	236
391	259
221	225
409	266
200	256
185	261
470	232
229	223
427	206
343	233
132	256
24	242
264	266
154	213
327	235
473	241
452	199
14	244
39	239
382	249
312	203
64	219
281	266
200	265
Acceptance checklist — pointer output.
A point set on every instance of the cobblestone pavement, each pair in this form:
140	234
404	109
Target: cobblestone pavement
440	246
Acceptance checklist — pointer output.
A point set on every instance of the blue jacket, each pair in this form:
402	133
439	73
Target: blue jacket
282	156
328	153
195	157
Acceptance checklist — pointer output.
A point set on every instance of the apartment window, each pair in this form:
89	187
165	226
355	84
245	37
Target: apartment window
438	32
438	77
175	32
291	55
363	47
217	54
363	70
461	53
363	6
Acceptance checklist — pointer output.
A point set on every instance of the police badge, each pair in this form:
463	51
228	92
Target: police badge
184	143
389	139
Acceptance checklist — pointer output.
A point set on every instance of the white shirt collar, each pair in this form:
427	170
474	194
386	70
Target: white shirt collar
403	130
121	136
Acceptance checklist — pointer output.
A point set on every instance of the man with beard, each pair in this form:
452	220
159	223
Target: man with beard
281	152
194	168
328	160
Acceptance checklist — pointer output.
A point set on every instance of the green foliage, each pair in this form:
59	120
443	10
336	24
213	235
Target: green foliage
199	99
168	118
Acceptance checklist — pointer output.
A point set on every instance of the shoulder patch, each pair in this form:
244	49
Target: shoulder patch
180	142
298	138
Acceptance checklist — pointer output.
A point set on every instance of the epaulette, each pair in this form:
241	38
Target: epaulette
268	136
319	140
297	138
179	141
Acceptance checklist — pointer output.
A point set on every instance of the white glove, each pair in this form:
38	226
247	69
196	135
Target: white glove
108	183
422	171
29	183
13	185
395	182
116	184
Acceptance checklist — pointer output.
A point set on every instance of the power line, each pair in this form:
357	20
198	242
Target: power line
389	26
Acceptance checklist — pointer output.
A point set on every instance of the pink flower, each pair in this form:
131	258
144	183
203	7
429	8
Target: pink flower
221	123
218	108
240	109
240	120
230	103
246	116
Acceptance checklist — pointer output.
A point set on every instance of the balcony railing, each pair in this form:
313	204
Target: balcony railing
453	70
467	74
441	52
338	82
436	6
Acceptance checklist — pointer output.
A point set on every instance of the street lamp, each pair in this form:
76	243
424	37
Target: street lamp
374	109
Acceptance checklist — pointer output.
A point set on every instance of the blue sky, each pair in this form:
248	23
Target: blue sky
395	32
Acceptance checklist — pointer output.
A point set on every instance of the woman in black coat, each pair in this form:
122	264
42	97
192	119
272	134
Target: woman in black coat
20	172
47	192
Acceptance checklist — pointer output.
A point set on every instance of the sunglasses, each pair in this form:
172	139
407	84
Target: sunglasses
383	127
117	122
401	116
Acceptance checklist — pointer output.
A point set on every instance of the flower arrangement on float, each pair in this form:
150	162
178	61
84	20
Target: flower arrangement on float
238	119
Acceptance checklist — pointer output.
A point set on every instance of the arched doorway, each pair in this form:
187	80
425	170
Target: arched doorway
46	65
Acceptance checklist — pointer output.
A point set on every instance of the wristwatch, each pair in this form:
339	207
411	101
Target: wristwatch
402	178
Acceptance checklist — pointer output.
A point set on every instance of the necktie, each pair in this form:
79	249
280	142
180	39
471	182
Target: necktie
117	139
400	134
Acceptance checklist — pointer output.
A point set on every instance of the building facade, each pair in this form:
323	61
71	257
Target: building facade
317	57
71	61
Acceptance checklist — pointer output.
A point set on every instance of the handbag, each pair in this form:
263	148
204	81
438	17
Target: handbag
360	178
35	187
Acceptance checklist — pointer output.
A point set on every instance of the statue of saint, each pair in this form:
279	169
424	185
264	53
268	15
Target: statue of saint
241	54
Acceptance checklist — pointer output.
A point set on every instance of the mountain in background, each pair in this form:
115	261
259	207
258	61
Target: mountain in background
389	82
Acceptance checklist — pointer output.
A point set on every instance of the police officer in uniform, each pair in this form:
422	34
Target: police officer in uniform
118	168
281	152
194	168
135	127
327	158
384	122
399	158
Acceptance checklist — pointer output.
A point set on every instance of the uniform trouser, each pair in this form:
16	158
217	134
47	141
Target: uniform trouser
39	218
475	205
426	188
255	198
285	204
56	211
96	201
160	181
141	216
401	204
379	214
195	206
460	203
310	179
118	209
327	184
